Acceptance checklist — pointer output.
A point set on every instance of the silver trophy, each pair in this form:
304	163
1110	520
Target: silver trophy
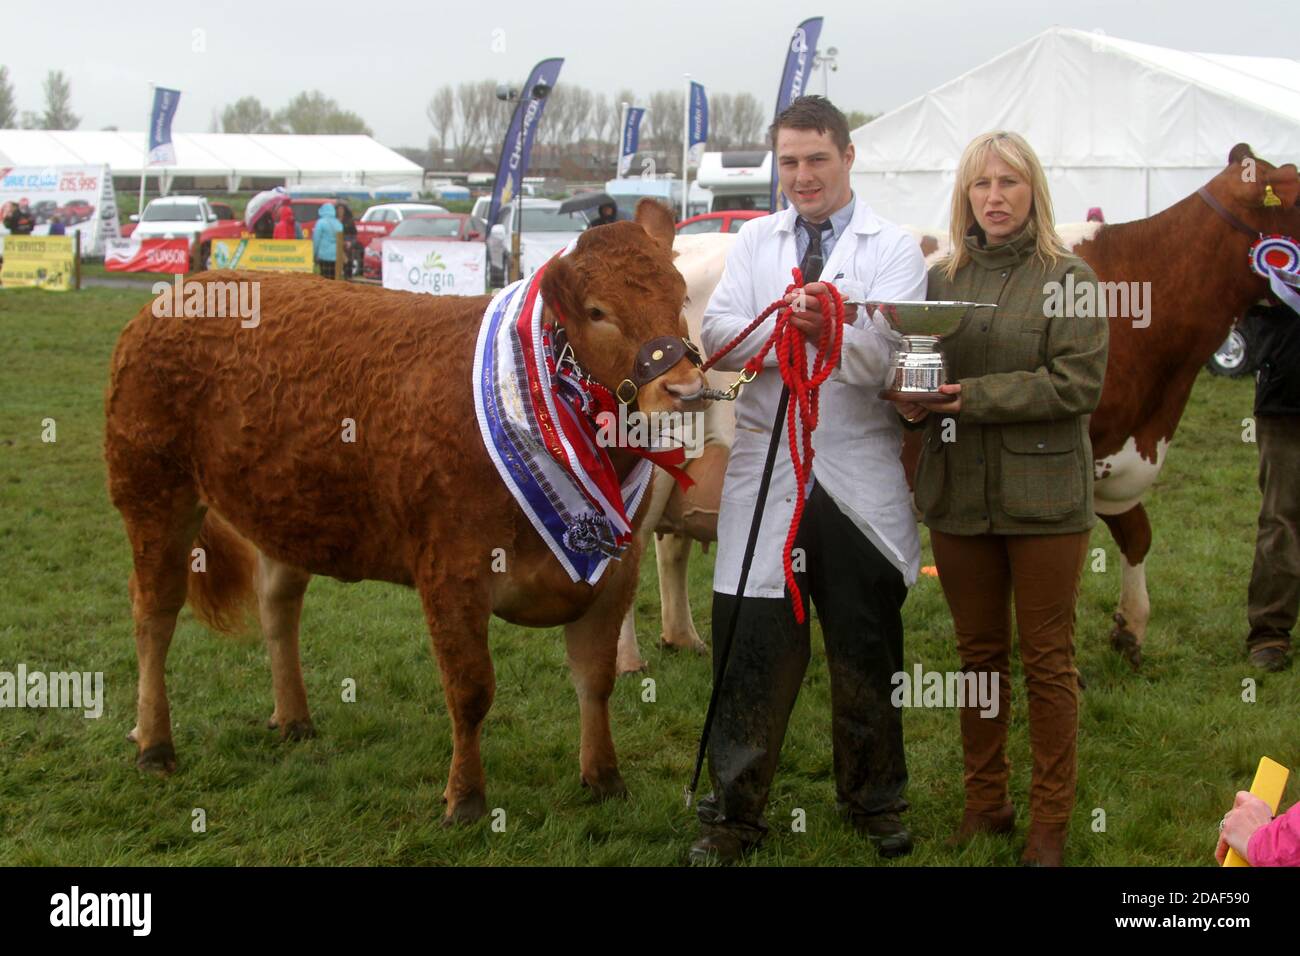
918	367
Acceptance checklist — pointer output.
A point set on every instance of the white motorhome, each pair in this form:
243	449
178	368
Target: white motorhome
627	192
738	179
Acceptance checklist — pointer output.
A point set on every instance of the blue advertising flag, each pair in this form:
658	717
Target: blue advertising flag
699	125
513	164
798	65
161	150
631	137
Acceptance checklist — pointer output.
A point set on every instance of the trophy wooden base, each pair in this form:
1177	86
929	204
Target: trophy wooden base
920	398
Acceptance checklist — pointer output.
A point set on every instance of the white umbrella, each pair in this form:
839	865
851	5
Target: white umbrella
264	202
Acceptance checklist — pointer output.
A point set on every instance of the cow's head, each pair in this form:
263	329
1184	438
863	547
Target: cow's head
1260	194
617	293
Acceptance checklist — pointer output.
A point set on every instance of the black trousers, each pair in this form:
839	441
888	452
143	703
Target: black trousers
859	597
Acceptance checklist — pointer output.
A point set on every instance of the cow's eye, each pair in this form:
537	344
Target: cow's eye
595	314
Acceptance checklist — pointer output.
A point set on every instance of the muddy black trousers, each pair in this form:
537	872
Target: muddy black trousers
859	596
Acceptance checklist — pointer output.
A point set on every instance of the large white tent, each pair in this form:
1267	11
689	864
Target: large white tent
1126	126
326	161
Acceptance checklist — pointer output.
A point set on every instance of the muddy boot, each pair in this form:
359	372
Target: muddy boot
1046	844
1000	822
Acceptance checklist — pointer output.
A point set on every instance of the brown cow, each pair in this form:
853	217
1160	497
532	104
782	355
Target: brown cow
1195	262
232	436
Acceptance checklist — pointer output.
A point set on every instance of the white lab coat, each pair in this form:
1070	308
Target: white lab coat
859	435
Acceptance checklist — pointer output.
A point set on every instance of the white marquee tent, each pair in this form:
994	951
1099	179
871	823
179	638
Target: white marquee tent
327	161
1126	126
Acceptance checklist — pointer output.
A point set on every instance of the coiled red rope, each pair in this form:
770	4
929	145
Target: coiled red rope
805	389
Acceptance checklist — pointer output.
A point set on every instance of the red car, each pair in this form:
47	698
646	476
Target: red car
435	227
729	221
77	210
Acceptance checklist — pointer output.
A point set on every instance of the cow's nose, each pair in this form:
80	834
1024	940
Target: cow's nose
688	395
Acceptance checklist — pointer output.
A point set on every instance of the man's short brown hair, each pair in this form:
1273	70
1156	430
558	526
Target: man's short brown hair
813	112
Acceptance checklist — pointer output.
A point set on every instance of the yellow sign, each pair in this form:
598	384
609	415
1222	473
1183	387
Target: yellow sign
41	261
263	255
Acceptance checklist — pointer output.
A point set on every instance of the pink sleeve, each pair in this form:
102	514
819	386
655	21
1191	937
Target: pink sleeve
1278	843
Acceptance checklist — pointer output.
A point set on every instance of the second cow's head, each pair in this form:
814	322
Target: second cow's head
620	301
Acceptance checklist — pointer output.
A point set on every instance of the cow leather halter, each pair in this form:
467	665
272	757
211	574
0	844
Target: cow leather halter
1226	214
653	359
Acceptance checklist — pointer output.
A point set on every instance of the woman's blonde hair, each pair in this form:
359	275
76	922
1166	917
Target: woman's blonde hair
1012	149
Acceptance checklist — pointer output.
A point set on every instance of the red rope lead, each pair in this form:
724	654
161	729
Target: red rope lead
805	389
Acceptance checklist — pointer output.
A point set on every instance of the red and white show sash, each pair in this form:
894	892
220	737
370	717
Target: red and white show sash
147	255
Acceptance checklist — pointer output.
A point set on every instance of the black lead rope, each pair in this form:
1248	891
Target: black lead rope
724	651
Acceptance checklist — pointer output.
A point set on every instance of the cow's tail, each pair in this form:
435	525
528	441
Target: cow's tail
221	589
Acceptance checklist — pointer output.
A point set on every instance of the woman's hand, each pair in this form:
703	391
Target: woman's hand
950	407
1247	815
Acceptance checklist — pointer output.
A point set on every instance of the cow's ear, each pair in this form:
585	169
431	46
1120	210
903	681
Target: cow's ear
654	217
562	288
1240	152
1286	184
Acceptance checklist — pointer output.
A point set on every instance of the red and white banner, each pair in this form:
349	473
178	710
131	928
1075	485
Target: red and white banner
147	255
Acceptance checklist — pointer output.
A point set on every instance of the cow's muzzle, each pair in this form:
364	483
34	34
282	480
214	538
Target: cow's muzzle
656	358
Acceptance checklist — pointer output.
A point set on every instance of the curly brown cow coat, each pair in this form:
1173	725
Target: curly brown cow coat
237	439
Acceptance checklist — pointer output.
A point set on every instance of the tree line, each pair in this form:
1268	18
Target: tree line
58	105
468	122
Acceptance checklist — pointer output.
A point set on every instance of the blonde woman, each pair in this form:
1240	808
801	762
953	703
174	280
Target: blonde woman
1004	480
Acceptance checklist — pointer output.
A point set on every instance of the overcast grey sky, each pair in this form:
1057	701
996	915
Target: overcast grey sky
384	59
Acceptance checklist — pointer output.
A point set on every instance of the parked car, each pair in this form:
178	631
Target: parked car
1239	354
434	227
191	217
543	228
380	220
729	221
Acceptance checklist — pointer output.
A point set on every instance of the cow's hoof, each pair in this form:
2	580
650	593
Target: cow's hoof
1126	643
692	644
133	736
159	759
635	666
609	786
298	730
467	810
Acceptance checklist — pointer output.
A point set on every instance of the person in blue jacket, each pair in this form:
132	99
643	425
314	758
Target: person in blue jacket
323	242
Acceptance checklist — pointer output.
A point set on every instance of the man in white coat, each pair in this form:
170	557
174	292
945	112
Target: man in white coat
857	544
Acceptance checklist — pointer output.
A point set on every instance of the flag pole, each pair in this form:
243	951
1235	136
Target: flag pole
622	133
686	146
144	155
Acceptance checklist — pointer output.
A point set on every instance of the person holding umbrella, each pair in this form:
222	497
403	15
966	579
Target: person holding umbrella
857	549
608	212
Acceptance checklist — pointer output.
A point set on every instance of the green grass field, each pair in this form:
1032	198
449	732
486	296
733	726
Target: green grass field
1161	751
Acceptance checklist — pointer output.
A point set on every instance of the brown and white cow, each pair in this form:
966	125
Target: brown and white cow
236	438
1196	263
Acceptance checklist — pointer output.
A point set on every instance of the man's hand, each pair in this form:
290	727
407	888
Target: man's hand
1247	815
807	317
912	411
